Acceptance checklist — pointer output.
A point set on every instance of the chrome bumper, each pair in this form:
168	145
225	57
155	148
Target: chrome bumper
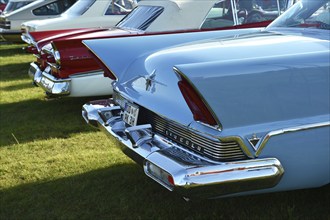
52	85
176	168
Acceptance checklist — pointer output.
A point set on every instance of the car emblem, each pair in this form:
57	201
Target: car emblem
149	79
254	141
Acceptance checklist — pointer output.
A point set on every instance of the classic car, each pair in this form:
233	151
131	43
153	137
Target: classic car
223	117
64	67
10	23
84	14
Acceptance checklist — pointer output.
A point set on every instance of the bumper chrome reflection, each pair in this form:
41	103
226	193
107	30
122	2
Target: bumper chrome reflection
52	85
176	168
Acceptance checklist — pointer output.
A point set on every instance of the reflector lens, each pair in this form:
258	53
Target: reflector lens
160	174
50	59
170	180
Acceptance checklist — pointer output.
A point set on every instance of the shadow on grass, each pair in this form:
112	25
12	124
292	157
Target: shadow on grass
17	71
10	49
17	86
41	119
124	192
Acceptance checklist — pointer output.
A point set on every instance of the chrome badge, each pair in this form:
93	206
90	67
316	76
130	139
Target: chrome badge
149	79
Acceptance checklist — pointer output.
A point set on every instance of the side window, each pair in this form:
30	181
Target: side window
237	12
120	7
262	10
54	8
221	15
141	17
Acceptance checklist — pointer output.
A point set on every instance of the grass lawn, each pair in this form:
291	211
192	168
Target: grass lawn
54	166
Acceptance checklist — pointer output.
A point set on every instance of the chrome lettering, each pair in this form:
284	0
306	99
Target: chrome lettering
183	141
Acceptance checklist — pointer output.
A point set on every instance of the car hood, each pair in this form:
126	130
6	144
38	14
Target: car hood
243	80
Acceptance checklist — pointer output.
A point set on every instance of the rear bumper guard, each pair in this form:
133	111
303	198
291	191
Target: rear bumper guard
47	82
176	168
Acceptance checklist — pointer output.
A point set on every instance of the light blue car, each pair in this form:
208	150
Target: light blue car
228	116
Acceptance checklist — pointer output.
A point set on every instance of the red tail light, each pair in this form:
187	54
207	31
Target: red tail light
170	179
107	72
50	59
31	49
196	104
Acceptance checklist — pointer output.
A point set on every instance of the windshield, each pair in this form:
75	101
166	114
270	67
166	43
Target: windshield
80	7
12	6
141	17
306	14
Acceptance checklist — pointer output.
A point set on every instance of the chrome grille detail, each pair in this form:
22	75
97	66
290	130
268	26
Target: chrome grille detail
211	148
4	24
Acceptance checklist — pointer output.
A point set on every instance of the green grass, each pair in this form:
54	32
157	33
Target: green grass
54	166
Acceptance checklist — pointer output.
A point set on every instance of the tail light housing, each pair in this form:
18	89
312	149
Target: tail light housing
31	49
197	106
159	174
50	59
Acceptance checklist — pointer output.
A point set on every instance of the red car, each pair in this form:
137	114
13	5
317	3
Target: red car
64	66
3	4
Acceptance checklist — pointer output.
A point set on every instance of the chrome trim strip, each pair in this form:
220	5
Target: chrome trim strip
262	143
86	74
234	10
241	143
210	144
54	79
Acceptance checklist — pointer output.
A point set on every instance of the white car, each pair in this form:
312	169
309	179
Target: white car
10	23
12	5
85	14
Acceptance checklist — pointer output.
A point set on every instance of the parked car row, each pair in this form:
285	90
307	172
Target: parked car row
64	66
36	15
212	98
